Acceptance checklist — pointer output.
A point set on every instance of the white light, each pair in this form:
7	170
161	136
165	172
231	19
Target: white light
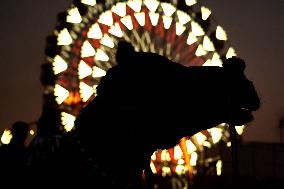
32	132
207	144
106	40
135	5
193	159
167	21
127	21
240	129
165	156
216	61
64	37
152	5
89	2
190	2
60	93
106	18
200	138
219	167
98	72
168	9
59	64
84	70
216	134
166	171
190	146
74	16
207	63
207	44
140	17
153	156
6	137
67	121
183	17
177	152
179	28
86	91
154	18
101	56
205	13
119	9
200	51
87	50
196	29
95	32
116	30
180	169
191	38
221	34
229	144
231	52
153	168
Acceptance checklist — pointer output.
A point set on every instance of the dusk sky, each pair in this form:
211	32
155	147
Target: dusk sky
255	29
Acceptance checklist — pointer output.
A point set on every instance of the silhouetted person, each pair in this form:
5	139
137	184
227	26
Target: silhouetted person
13	156
43	149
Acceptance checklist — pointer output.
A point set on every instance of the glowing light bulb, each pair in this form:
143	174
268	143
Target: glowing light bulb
205	13
179	28
59	64
191	38
64	37
127	21
119	9
200	51
135	5
168	9
95	32
216	134
167	21
140	17
101	55
190	147
207	44
221	34
106	18
68	121
154	18
60	93
87	49
84	70
177	152
190	2
106	40
196	29
183	17
74	16
6	137
152	5
231	52
116	30
216	61
86	91
89	2
98	72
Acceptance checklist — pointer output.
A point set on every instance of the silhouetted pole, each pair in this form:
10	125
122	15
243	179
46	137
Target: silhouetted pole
234	152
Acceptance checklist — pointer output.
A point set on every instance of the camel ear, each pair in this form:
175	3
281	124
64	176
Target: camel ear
124	52
234	65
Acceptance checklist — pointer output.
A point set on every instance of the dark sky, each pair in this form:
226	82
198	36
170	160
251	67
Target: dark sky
255	28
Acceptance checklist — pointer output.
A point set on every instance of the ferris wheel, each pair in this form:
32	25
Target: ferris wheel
83	45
